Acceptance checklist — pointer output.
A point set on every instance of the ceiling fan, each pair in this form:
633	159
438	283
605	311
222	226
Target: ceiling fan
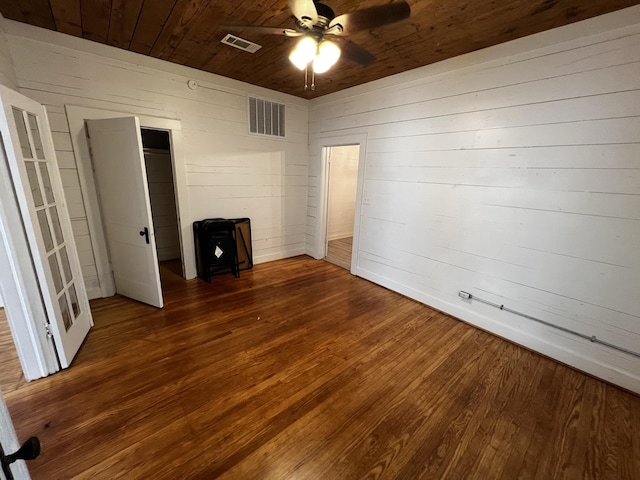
314	20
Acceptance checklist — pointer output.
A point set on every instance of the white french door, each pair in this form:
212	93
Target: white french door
121	180
30	155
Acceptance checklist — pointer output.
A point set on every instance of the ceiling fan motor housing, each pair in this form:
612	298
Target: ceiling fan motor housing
325	15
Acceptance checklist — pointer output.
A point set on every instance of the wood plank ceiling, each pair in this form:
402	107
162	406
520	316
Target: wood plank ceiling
188	32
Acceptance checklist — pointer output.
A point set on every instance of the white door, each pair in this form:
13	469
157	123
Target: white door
118	164
36	179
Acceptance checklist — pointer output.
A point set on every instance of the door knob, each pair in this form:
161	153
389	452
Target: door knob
28	451
145	233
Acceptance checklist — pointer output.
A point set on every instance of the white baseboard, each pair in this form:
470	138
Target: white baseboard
93	293
340	236
286	253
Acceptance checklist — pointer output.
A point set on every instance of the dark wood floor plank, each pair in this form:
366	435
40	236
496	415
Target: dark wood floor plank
346	378
486	397
374	388
11	377
405	459
441	403
298	369
629	463
505	423
523	408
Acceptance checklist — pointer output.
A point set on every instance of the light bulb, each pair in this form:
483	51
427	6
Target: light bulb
297	59
328	55
307	48
330	51
320	65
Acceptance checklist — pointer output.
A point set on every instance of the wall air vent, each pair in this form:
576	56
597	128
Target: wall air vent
240	43
266	118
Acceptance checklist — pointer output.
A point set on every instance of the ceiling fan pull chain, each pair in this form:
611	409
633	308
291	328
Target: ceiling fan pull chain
306	83
313	79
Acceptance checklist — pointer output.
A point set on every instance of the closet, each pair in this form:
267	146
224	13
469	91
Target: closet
157	156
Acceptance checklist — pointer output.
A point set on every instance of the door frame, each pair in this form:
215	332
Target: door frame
119	170
76	116
323	195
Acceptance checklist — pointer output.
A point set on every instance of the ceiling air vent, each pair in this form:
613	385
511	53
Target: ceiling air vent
266	118
240	43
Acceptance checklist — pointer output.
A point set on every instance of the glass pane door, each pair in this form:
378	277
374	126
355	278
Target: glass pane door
36	180
46	210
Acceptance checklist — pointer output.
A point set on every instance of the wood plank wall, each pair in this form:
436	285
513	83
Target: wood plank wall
229	172
7	77
514	174
7	72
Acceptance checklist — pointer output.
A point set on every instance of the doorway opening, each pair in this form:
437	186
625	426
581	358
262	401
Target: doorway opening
156	147
342	182
135	179
79	119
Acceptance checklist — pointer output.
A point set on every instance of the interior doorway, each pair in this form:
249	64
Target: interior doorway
156	147
77	119
134	175
121	181
342	172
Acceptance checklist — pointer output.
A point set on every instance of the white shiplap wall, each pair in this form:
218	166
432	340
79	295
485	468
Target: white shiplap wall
7	72
7	77
512	173
229	172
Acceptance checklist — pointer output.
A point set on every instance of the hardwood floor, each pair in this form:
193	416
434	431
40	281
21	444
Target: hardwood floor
300	370
339	252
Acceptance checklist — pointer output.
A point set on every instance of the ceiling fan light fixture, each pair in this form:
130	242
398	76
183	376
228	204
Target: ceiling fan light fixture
320	65
328	55
304	52
298	61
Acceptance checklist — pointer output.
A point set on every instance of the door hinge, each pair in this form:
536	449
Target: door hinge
47	329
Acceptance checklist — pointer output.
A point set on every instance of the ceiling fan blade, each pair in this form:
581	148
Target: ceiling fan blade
262	30
305	11
372	17
356	53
